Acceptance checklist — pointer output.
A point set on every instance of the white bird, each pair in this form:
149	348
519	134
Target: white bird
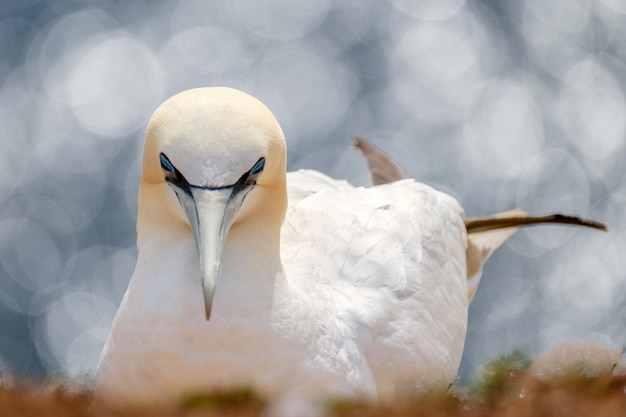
294	284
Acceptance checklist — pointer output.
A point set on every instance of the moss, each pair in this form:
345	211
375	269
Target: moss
499	376
238	396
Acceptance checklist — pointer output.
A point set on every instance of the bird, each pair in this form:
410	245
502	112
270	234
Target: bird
294	284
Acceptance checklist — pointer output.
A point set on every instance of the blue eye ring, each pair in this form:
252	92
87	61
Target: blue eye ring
258	167
166	164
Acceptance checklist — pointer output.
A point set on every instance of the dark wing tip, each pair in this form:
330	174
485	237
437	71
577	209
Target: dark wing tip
579	221
493	223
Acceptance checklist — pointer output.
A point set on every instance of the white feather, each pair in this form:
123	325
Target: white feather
362	294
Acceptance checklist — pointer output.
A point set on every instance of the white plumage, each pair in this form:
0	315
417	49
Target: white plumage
380	274
342	291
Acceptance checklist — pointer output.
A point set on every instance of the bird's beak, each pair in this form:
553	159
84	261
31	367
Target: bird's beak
210	213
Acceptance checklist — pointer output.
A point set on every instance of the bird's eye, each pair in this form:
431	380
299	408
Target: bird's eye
258	167
171	174
166	164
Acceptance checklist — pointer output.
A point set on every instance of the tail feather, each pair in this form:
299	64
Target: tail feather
382	169
482	243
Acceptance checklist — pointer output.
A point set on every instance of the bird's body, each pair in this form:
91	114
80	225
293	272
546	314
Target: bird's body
370	300
321	289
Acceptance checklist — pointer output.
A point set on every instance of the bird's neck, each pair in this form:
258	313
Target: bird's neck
251	262
251	267
251	256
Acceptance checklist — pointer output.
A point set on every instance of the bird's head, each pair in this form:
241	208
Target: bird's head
221	155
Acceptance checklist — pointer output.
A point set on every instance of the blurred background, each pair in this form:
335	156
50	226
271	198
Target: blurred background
501	104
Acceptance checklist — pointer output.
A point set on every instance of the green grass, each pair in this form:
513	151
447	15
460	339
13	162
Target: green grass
499	376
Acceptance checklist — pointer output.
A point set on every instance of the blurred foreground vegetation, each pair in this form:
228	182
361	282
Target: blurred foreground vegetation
501	388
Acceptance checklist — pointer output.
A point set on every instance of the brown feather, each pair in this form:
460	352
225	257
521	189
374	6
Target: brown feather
382	169
493	223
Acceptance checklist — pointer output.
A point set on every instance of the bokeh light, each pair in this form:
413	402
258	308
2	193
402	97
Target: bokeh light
502	104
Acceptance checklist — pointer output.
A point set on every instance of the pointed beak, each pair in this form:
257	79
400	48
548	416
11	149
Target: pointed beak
210	213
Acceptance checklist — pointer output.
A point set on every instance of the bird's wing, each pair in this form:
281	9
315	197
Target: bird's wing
485	235
386	267
480	246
